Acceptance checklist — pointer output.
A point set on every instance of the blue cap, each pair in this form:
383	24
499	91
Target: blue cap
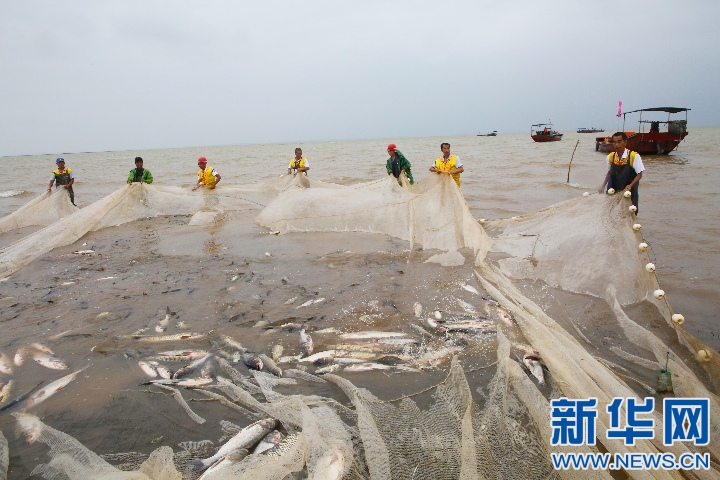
60	160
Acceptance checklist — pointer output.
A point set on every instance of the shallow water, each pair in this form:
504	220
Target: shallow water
369	281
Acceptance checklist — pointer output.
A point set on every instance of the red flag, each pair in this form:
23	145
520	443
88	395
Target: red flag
619	109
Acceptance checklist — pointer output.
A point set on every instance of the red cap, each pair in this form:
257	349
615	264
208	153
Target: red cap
392	147
202	160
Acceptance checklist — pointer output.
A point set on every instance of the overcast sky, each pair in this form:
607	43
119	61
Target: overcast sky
118	75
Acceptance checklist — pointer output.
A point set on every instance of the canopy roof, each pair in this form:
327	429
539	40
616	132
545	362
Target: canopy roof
661	109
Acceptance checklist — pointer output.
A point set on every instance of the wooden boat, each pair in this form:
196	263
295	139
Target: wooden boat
546	134
654	137
489	134
589	130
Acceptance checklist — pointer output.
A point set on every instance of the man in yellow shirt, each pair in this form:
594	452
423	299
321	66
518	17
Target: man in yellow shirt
207	176
449	164
298	163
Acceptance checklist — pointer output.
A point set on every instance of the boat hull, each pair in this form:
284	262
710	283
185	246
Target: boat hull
645	143
547	138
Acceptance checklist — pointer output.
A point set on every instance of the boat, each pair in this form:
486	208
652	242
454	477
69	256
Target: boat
589	130
653	137
489	134
546	134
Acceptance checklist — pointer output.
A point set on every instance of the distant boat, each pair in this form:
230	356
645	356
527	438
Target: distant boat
546	134
589	130
662	137
489	134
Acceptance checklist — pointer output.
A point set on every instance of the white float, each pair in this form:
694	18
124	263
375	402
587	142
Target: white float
677	318
650	267
636	227
643	246
611	191
627	194
659	294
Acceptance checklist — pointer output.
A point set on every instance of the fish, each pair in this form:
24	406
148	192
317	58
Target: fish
83	252
371	334
310	302
270	440
328	369
470	288
6	391
437	314
148	369
208	369
466	306
185	382
225	462
163	372
277	351
421	331
290	301
193	354
252	361
19	357
330	466
418	309
6	365
49	361
169	338
532	362
49	390
366	367
306	343
231	342
270	365
245	438
103	314
316	356
191	366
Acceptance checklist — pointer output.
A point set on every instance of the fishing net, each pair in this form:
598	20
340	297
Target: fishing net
569	283
42	210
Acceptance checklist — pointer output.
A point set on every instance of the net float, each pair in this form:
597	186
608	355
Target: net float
627	194
650	267
643	246
659	294
633	208
677	318
586	194
636	227
611	191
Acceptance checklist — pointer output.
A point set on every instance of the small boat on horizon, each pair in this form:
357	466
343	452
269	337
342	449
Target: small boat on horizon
662	137
489	134
589	130
547	134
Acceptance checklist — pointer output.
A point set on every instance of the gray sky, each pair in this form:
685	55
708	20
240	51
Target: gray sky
118	75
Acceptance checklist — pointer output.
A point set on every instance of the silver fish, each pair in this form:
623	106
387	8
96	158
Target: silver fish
191	354
310	302
164	372
532	362
418	309
366	367
6	365
208	370
231	342
6	391
466	306
330	466
148	369
20	355
292	300
169	338
247	437
470	288
306	343
270	440
252	361
191	366
49	390
48	361
277	351
270	366
371	334
328	369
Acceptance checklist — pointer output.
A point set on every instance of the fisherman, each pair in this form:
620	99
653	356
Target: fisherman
207	176
63	177
449	164
298	163
139	174
624	169
397	163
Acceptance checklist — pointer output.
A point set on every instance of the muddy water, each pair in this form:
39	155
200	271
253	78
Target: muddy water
220	281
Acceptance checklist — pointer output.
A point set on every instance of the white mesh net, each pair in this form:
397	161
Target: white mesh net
567	283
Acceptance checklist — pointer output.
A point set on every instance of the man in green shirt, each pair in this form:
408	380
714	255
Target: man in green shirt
139	174
397	163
